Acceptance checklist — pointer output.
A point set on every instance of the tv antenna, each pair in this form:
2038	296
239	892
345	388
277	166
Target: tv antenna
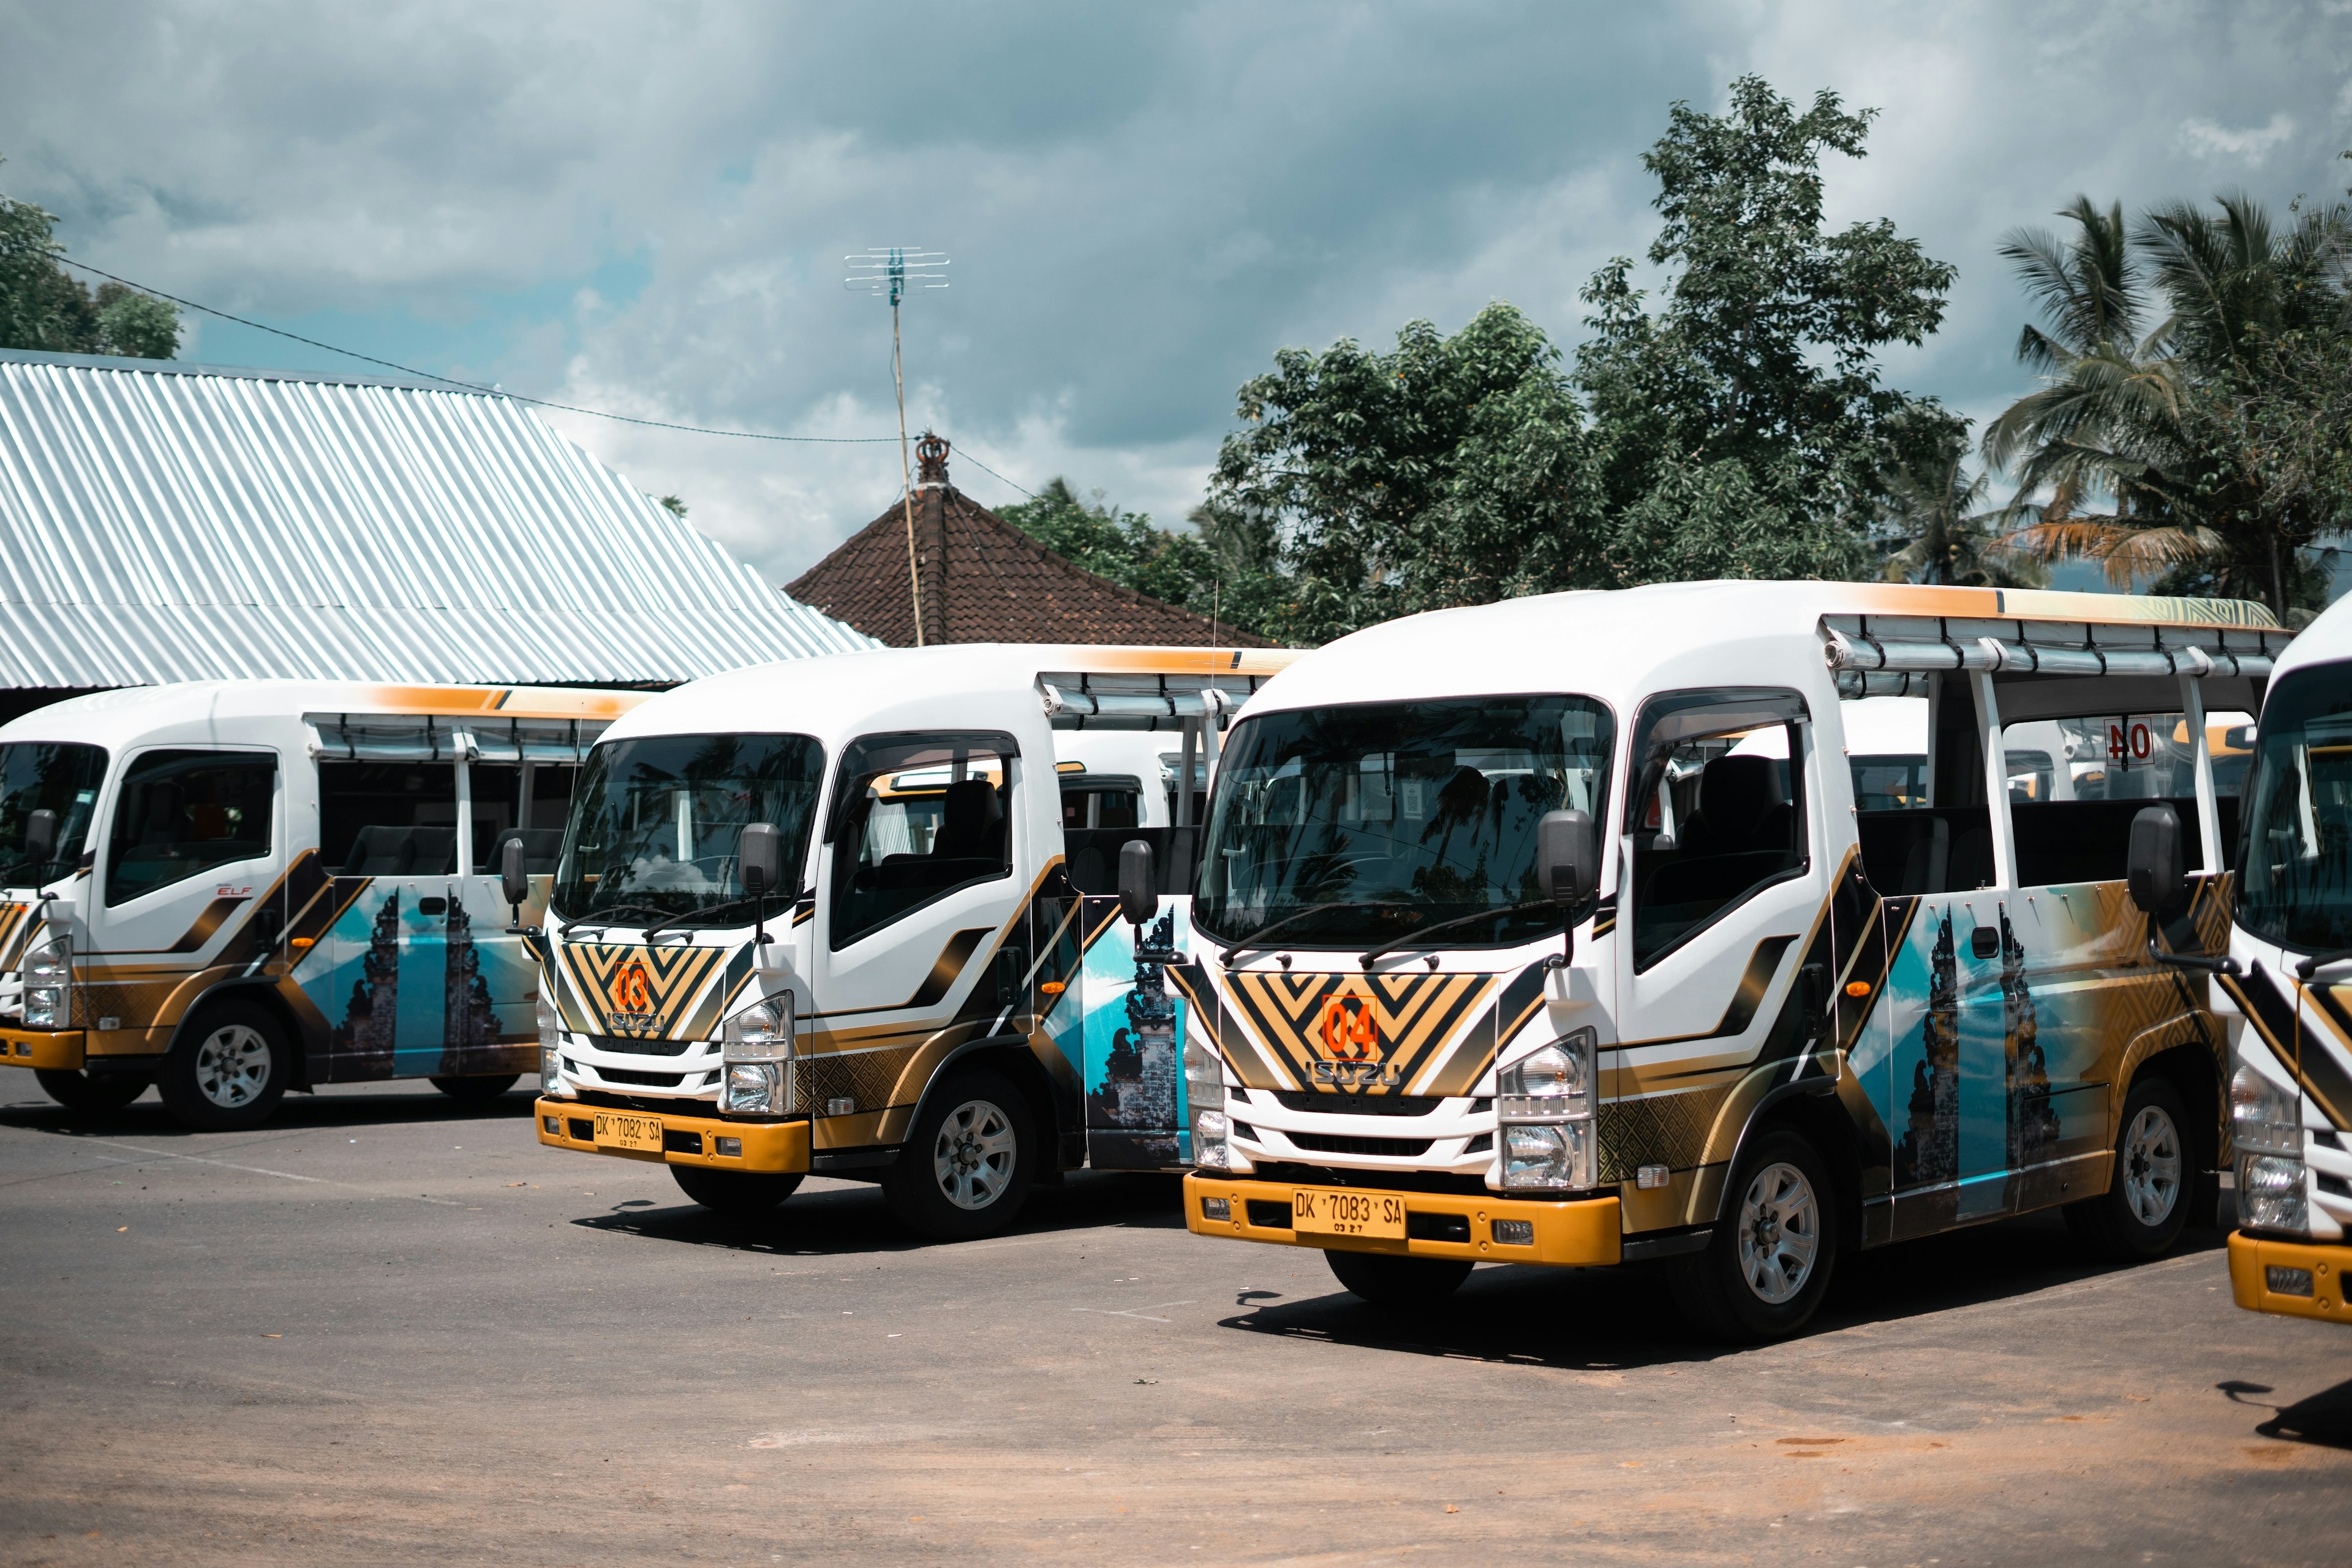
893	270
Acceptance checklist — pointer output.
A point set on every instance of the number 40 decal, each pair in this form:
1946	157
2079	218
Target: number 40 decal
2135	744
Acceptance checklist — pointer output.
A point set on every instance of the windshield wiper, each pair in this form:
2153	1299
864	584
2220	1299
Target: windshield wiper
591	917
1257	937
2319	961
697	914
1413	938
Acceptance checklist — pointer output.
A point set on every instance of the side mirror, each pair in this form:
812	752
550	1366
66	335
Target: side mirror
1567	856
514	881
2157	873
41	835
759	852
1138	890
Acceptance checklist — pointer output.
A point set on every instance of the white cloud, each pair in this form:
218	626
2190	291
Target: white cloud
2207	139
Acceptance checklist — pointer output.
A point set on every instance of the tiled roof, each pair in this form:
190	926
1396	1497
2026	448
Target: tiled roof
985	580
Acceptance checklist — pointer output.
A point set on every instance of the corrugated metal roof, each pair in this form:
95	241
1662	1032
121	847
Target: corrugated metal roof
166	522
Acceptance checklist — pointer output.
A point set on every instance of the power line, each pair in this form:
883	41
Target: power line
518	397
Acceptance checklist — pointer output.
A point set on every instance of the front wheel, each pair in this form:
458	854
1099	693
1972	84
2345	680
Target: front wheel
739	1195
81	1091
2146	1205
228	1070
1398	1284
1767	1266
968	1161
477	1091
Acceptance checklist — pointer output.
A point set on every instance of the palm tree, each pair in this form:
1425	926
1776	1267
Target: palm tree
1951	537
2193	431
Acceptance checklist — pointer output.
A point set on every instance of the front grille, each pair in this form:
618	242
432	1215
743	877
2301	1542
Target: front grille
631	1047
1337	1104
1329	1143
645	1080
611	1100
1482	1144
1308	1175
1269	1215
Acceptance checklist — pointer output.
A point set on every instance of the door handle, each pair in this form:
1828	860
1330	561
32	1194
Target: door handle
1815	978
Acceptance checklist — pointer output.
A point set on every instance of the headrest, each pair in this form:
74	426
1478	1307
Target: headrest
1734	794
968	811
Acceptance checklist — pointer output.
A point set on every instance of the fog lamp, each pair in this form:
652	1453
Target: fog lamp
1216	1209
728	1148
2287	1281
1514	1232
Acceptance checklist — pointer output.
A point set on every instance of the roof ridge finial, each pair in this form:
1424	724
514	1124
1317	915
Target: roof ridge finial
932	461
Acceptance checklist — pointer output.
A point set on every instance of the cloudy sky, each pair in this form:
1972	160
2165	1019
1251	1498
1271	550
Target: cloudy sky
643	207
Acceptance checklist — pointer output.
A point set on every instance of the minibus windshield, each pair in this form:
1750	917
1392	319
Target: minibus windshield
40	776
1367	821
655	821
2295	844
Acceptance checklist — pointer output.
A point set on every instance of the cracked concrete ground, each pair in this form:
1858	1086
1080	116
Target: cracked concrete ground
388	1330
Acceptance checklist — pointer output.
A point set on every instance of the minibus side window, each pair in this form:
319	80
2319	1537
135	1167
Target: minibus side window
931	819
1718	812
181	814
2076	781
528	801
388	819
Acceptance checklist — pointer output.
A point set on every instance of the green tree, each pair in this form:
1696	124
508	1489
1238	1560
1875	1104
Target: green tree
2209	450
44	307
1944	532
1762	356
1171	565
1448	471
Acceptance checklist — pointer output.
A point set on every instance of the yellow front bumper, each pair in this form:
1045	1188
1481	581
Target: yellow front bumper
773	1147
2252	1257
1573	1233
42	1048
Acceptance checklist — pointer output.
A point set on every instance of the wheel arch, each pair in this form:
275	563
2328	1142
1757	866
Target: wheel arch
264	995
1009	1054
1811	1109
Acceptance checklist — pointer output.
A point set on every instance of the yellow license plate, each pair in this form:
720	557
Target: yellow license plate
642	1133
1348	1214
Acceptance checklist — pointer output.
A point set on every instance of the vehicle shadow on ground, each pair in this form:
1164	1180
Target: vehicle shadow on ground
2321	1419
393	1105
1603	1319
857	1219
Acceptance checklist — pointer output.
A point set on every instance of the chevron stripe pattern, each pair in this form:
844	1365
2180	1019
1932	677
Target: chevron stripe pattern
1374	1033
641	993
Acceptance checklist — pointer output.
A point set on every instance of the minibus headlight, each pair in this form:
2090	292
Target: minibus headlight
1204	1076
2271	1194
550	1021
1543	1107
756	1051
1211	1151
49	979
2264	1119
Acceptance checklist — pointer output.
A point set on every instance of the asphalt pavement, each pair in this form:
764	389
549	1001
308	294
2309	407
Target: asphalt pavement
388	1329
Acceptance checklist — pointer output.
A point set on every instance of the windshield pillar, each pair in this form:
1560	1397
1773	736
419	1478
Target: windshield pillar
2200	756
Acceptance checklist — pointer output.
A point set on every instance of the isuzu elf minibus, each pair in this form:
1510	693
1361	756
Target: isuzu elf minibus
1732	926
230	889
857	916
2287	1000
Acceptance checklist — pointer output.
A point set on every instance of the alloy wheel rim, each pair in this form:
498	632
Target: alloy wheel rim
2152	1166
1780	1233
233	1065
975	1154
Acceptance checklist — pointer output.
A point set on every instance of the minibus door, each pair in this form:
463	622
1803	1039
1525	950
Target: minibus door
492	1019
916	888
1727	877
388	834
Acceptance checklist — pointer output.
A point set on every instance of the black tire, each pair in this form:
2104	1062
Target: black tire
228	1069
969	1162
477	1091
82	1091
739	1195
2146	1206
1755	1281
1397	1284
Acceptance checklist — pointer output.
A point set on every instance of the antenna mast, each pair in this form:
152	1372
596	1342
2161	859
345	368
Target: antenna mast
893	270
